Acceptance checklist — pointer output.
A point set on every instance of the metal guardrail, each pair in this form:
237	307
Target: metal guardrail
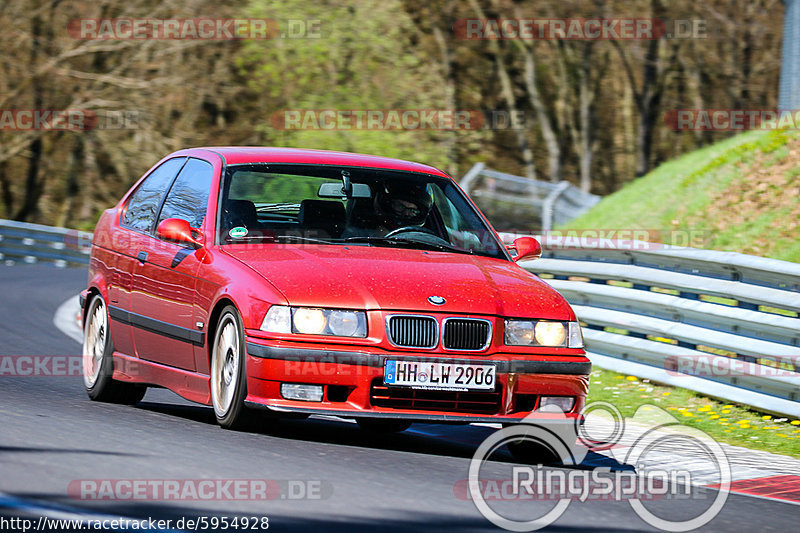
648	310
554	203
721	323
21	242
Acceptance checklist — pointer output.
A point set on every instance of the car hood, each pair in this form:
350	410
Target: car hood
365	277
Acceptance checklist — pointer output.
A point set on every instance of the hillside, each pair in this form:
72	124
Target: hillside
741	194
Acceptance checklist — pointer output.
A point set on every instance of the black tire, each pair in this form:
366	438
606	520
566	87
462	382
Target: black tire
529	452
383	425
98	363
229	373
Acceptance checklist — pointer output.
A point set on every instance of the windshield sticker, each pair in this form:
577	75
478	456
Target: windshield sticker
238	232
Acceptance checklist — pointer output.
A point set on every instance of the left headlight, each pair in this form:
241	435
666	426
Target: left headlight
315	321
543	333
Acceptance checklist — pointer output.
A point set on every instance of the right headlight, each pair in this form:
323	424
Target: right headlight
315	321
543	333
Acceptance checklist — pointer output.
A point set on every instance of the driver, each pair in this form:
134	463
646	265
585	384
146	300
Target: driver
402	203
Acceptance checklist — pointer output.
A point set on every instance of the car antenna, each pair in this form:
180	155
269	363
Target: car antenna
347	185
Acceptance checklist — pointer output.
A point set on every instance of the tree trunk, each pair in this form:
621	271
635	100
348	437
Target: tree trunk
507	93
30	203
545	124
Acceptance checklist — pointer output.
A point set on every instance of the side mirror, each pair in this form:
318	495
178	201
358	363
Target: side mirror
178	230
527	248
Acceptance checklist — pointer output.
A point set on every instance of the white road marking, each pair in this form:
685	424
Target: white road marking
66	319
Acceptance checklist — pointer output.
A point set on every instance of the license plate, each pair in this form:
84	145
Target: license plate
441	376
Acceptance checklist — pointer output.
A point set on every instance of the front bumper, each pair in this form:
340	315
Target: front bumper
351	378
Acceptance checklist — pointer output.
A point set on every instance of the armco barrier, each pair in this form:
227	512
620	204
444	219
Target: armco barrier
650	311
31	243
721	323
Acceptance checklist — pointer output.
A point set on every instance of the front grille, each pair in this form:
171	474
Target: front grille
466	334
412	331
487	403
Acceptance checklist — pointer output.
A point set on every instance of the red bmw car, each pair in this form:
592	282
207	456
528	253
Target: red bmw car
315	282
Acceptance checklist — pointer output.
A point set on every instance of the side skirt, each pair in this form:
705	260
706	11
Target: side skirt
190	385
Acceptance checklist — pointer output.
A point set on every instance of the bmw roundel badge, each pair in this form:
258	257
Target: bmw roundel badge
436	300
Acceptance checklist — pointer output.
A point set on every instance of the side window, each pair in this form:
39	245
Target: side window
188	197
140	213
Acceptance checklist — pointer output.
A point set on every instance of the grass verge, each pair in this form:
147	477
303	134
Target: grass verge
722	421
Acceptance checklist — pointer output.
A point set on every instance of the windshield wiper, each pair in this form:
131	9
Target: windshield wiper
278	207
297	238
408	243
279	238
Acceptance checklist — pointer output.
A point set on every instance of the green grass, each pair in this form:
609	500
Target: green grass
694	200
722	421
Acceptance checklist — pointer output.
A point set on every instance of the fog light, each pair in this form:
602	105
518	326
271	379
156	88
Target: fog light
304	393
562	403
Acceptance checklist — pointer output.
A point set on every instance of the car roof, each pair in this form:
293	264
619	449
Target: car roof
236	155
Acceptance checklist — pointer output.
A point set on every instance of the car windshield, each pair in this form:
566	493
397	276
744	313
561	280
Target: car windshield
350	205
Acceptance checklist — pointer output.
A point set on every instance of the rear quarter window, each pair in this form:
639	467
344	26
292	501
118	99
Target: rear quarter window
142	207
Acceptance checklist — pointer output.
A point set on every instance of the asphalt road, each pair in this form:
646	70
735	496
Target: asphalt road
51	435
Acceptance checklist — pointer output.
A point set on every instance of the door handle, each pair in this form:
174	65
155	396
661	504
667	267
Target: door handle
142	257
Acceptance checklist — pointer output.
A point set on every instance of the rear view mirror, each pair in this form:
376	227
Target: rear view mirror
178	230
336	190
527	248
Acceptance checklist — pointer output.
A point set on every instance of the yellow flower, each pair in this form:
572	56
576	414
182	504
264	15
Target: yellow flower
704	408
727	406
672	408
795	422
632	378
687	413
725	411
667	393
744	426
723	419
714	417
766	417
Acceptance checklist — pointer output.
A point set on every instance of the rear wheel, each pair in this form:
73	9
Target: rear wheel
98	363
383	425
228	372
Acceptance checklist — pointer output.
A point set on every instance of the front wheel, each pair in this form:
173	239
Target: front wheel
98	362
228	372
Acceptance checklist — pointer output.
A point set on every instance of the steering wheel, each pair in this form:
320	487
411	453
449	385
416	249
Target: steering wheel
409	229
